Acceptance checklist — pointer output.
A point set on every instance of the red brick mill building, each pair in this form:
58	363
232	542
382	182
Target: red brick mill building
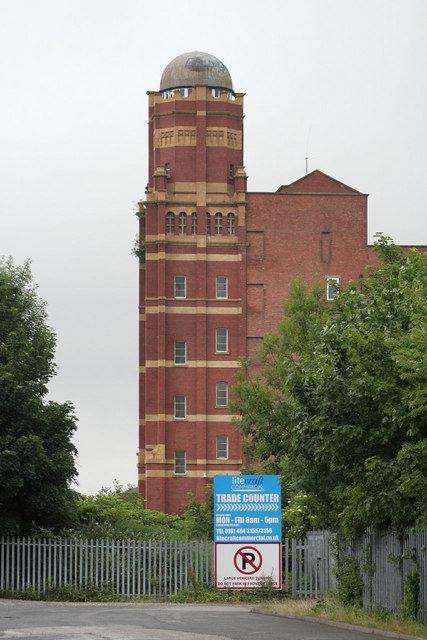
218	264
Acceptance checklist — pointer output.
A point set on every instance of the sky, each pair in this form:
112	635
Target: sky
342	82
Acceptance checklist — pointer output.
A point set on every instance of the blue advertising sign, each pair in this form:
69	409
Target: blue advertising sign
247	509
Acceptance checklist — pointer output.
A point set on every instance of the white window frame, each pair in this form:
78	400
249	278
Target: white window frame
332	287
177	355
180	462
177	284
221	443
221	387
217	350
219	284
177	406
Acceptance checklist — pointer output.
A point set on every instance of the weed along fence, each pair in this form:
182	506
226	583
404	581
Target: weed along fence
392	568
129	568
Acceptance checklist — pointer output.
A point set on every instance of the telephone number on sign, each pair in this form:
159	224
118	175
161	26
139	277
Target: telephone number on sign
248	538
246	531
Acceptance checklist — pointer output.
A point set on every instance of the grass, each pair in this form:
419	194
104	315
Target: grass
209	593
105	593
328	608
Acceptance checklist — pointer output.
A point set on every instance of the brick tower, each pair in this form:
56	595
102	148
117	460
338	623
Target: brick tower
192	281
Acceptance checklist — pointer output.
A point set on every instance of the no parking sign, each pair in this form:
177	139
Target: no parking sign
243	566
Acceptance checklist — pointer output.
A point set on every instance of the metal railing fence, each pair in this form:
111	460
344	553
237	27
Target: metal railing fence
133	568
306	565
129	568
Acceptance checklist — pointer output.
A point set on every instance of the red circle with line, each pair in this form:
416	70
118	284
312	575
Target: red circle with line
249	558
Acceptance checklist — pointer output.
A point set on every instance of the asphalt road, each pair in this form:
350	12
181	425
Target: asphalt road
21	620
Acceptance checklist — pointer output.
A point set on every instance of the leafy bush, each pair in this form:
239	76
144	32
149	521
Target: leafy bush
197	516
119	513
297	516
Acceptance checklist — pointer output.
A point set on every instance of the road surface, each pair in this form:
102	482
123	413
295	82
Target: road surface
22	620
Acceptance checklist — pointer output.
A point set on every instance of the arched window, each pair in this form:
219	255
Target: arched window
218	223
231	224
193	223
182	222
170	222
208	224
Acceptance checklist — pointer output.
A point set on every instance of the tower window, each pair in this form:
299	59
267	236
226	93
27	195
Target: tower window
182	222
180	352
222	447
216	92
180	463
231	224
332	287
180	287
208	224
180	407
231	172
168	169
218	223
221	394
186	91
193	223
170	222
221	340
221	287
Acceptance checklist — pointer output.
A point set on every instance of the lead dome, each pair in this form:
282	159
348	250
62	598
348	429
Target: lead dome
195	68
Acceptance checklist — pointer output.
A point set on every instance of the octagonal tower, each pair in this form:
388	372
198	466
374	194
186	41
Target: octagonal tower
192	281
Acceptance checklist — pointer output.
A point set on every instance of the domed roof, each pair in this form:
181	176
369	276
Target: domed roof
194	68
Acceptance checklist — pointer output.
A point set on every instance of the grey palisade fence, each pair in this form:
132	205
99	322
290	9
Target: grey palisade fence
130	568
133	568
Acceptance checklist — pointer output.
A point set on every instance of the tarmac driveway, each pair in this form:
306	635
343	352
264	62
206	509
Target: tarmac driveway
22	620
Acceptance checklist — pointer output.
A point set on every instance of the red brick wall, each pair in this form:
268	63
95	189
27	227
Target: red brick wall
300	235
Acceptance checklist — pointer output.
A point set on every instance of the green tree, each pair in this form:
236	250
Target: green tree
343	415
36	453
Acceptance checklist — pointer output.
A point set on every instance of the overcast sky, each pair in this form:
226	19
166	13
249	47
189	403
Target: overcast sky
343	82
